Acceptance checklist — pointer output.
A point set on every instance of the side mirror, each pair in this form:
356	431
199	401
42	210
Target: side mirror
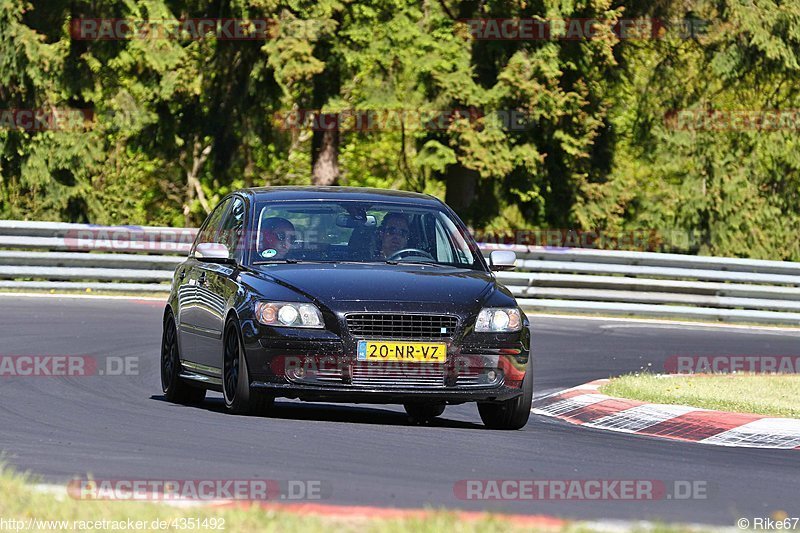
502	260
213	252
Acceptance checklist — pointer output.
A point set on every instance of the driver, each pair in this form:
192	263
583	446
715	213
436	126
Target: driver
277	237
393	234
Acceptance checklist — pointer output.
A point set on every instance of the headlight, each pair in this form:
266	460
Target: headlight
496	319
288	314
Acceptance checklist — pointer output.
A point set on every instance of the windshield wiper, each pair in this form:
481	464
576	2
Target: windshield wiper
431	263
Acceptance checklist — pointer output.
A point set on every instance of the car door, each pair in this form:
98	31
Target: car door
215	286
191	303
186	279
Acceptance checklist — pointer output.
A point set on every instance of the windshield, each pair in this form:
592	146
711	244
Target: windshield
349	231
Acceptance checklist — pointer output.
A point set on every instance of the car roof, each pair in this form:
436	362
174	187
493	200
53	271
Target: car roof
337	193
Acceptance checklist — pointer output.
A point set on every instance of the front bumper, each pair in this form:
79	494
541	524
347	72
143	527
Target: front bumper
384	395
324	367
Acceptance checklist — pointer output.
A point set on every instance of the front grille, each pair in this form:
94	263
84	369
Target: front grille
471	377
401	326
394	375
327	375
398	375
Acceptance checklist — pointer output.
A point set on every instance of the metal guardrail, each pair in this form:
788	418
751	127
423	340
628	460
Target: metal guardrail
60	256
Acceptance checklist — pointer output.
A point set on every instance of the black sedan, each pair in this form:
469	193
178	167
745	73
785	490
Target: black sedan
345	294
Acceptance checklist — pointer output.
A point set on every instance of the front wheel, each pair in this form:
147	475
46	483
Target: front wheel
513	413
175	389
239	399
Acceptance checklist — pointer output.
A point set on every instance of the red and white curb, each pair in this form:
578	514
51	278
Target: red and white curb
585	406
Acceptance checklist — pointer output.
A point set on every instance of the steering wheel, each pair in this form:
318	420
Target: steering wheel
408	251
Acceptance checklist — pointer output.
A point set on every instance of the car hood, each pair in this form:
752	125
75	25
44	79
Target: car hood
353	283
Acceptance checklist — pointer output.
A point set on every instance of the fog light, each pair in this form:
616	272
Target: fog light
491	375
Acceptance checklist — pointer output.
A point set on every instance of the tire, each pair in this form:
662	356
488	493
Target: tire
239	398
514	413
424	412
175	389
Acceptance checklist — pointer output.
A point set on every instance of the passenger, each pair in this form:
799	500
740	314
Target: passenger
277	237
393	234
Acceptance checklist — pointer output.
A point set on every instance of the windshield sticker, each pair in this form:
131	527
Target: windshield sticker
266	254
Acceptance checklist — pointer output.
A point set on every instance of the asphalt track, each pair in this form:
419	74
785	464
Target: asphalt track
119	427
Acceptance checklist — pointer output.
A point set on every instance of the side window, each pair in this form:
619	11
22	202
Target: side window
232	229
209	230
444	251
450	244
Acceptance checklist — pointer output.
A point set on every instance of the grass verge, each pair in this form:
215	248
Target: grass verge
19	501
772	395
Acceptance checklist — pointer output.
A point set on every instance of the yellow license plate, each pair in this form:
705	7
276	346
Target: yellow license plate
418	352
